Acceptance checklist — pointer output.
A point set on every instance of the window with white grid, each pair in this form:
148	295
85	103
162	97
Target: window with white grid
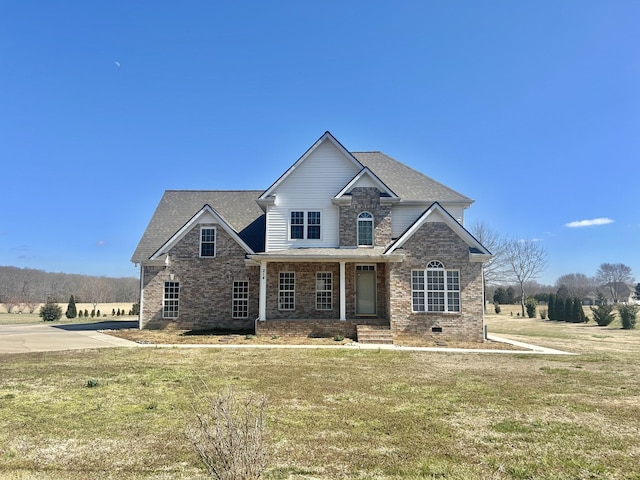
170	300
435	289
324	289
287	291
240	308
207	242
304	224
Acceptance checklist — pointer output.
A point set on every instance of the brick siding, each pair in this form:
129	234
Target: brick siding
436	241
206	286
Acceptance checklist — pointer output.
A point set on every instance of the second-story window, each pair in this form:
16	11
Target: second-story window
207	242
305	225
365	229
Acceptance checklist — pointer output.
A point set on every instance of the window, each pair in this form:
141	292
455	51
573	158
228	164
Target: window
287	291
365	229
313	225
305	225
435	289
297	225
240	308
324	291
207	242
171	299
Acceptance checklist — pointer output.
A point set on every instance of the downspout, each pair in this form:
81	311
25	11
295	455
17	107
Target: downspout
141	297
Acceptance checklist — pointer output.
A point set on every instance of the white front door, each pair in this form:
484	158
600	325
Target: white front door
365	290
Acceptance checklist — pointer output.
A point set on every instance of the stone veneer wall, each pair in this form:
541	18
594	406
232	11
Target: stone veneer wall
436	241
365	199
206	286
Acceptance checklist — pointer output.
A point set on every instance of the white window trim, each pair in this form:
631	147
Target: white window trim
215	241
368	220
425	291
330	290
293	292
165	299
234	299
305	225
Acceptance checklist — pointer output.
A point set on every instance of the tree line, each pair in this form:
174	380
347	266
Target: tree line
31	287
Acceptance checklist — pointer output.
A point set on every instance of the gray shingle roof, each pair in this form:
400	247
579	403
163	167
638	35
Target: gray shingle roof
409	184
240	209
237	207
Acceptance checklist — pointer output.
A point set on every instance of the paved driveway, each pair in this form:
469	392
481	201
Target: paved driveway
47	338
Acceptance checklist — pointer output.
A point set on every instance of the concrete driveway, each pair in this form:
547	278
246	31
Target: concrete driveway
47	338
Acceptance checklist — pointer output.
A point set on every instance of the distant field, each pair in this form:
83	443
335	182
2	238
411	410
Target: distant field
337	414
25	318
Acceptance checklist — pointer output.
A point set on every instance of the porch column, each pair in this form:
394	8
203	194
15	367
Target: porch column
262	308
343	291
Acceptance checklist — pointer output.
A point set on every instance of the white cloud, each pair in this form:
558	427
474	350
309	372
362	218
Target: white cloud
100	243
589	223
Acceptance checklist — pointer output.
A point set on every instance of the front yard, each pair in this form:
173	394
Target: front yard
335	413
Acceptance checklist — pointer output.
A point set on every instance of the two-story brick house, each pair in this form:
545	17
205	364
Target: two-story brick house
342	239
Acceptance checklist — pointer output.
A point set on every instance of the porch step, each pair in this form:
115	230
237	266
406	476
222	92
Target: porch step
374	334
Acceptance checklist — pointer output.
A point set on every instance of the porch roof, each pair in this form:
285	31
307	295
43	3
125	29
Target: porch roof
369	254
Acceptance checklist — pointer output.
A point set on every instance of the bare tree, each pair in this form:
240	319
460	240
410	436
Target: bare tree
526	259
577	284
11	301
496	270
613	276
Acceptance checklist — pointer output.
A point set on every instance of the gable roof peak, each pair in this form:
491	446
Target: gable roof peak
327	136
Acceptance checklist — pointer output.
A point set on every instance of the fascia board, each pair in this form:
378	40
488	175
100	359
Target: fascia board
449	220
176	237
373	176
325	137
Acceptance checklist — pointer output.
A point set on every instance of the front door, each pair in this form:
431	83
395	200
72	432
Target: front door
365	290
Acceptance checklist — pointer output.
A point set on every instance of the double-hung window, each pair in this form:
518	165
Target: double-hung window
304	225
324	291
171	300
435	289
240	307
287	291
207	242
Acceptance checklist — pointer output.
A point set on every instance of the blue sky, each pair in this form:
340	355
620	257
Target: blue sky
532	108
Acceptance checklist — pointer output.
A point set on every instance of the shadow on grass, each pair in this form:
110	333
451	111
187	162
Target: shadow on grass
106	325
215	331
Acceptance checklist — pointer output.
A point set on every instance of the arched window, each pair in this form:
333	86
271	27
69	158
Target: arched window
365	229
435	289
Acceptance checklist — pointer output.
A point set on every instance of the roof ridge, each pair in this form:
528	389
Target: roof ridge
229	190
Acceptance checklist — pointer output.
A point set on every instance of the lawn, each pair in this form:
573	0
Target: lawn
337	413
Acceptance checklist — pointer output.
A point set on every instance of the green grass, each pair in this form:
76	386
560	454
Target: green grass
332	414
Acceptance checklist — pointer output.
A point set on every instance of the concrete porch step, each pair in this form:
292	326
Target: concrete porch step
373	334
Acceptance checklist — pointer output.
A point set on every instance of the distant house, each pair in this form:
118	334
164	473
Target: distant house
616	292
340	243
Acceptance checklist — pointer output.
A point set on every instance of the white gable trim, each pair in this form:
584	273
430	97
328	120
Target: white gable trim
326	137
365	171
436	210
205	211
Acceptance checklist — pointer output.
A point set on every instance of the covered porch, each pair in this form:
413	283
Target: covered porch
323	291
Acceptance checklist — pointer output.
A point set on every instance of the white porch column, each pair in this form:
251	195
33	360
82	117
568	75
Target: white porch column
343	291
262	309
